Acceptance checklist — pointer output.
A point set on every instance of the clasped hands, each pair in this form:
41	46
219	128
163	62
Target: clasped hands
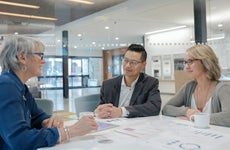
106	111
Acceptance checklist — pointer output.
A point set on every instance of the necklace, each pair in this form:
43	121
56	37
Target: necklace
201	101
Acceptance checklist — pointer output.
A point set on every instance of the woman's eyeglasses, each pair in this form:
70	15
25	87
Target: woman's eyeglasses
190	61
39	54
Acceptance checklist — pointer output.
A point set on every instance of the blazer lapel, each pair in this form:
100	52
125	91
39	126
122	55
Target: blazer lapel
137	89
136	92
117	89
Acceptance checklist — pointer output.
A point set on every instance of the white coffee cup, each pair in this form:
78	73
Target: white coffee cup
201	120
86	113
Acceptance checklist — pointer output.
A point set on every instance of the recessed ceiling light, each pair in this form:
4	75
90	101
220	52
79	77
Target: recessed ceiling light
220	25
79	35
116	38
106	27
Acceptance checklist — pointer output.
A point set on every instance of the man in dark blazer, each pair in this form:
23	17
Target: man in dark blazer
134	94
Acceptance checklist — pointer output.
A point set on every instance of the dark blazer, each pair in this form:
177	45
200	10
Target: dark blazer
145	101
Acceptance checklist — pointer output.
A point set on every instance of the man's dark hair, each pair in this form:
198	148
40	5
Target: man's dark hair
139	49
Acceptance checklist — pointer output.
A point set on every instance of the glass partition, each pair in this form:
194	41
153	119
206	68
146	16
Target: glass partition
82	72
52	73
219	34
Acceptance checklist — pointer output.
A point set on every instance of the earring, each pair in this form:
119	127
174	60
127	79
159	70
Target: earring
24	68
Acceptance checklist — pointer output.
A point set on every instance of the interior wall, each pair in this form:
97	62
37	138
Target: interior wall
167	45
174	44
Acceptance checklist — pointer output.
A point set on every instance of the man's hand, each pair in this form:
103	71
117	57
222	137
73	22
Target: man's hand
106	111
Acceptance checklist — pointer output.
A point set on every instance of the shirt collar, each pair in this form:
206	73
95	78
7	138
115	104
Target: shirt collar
132	85
16	79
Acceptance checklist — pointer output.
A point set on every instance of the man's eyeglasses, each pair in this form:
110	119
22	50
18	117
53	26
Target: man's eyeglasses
190	61
132	63
39	54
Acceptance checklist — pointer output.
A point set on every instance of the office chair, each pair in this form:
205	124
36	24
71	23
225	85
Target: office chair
86	103
45	104
35	91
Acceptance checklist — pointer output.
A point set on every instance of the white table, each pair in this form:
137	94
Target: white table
151	133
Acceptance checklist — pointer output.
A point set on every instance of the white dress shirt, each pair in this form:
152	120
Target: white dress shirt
125	96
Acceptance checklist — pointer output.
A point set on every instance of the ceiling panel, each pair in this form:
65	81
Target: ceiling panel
127	19
64	10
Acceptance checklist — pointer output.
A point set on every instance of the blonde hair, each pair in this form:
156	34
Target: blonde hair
208	59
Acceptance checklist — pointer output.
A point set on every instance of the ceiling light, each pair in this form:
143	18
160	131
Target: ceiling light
215	37
19	4
106	27
116	38
220	25
79	35
164	30
27	16
82	1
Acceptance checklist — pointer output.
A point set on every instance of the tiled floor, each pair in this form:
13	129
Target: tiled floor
65	105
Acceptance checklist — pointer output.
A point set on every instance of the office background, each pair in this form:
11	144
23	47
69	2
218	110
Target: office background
96	39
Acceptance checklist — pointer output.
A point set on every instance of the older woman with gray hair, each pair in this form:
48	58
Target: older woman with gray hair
203	94
22	123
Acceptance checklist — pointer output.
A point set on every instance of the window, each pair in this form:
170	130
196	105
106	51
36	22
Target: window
52	73
117	65
82	72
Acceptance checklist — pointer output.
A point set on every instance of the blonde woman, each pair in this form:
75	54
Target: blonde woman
203	94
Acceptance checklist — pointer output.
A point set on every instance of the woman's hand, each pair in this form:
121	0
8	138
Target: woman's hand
53	121
191	112
85	125
183	117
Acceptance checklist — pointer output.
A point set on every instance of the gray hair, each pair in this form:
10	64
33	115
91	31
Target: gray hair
13	46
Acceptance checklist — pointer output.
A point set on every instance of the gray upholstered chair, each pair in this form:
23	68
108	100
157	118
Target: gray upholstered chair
45	104
86	103
35	91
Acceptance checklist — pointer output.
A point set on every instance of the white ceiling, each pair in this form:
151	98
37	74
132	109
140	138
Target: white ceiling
131	19
128	21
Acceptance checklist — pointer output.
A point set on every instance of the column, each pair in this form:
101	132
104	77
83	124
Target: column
200	21
65	63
